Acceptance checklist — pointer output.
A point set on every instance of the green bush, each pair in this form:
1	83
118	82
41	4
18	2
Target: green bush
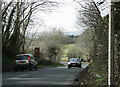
46	62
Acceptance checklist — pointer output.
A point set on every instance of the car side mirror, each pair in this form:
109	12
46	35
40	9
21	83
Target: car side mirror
81	59
35	59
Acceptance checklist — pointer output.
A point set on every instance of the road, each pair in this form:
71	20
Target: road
44	76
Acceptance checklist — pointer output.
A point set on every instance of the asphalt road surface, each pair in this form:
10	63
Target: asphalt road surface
44	76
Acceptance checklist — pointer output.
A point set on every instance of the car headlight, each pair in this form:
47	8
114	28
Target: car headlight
68	62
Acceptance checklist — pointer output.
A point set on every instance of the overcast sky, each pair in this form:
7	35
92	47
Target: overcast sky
62	17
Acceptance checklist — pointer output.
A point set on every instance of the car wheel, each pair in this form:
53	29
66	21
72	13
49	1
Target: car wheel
36	69
30	68
22	69
69	66
16	70
80	66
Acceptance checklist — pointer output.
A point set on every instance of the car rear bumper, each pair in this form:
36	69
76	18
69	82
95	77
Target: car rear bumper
22	65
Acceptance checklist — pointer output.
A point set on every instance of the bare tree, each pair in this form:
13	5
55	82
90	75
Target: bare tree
85	43
16	17
74	52
90	18
50	44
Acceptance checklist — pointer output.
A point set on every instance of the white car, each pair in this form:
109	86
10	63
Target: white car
25	61
74	62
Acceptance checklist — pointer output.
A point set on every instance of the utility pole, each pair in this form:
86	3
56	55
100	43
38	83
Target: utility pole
104	9
0	44
111	46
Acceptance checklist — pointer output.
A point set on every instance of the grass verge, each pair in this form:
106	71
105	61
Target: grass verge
89	78
49	66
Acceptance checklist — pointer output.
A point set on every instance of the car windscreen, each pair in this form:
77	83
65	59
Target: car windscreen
73	59
22	57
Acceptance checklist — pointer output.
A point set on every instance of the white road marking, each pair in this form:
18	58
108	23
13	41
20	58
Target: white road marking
16	78
23	75
34	72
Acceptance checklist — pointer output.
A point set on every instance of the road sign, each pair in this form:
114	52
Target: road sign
103	7
37	52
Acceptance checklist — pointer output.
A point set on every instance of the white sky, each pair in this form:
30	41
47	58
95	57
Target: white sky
62	17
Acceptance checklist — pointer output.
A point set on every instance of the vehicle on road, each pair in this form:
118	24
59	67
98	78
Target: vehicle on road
25	61
74	62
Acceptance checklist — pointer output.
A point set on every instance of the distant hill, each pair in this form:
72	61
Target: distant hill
73	33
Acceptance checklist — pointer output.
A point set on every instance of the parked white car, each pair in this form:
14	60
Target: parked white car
74	62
